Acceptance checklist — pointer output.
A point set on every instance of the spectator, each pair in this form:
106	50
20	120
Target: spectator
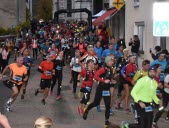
121	42
157	51
161	60
43	122
135	45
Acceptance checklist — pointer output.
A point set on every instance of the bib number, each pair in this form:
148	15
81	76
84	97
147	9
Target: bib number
48	73
17	78
157	92
105	93
88	89
58	68
148	109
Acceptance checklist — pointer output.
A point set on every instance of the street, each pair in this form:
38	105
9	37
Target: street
63	112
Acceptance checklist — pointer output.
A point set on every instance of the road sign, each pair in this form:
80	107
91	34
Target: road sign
118	4
160	28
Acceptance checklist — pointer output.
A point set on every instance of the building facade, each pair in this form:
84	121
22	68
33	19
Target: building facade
8	13
139	21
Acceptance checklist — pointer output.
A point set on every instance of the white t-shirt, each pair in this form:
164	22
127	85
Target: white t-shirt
167	81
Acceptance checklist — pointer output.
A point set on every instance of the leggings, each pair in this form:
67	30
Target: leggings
97	98
74	77
35	52
4	63
58	76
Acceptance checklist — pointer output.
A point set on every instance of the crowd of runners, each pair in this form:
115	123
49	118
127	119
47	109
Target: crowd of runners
98	59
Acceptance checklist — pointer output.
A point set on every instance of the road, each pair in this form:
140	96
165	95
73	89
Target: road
63	112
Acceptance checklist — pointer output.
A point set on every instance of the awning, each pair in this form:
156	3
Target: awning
100	13
100	19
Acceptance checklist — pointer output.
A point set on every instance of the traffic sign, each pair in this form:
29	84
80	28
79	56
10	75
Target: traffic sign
118	4
160	28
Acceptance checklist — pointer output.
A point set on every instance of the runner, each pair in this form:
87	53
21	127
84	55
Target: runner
144	93
76	69
46	70
28	62
58	67
128	73
86	86
104	76
18	75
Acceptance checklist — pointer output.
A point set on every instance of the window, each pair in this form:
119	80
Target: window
140	33
69	6
136	3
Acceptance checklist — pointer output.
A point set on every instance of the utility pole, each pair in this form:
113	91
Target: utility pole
17	12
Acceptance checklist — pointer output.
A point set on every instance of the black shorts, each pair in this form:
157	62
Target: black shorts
11	84
45	83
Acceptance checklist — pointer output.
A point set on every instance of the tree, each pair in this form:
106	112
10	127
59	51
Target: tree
44	9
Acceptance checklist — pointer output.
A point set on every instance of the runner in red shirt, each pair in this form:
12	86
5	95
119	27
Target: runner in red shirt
46	70
87	83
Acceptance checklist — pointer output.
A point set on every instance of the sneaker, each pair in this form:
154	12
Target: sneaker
85	115
8	109
24	91
82	111
43	102
107	123
22	96
98	108
36	92
111	111
132	107
127	110
166	119
51	93
124	124
118	104
58	97
154	125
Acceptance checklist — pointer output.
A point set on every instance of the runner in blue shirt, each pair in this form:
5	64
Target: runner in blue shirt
99	50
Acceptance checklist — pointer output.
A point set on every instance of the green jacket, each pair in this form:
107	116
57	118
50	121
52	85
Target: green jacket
145	90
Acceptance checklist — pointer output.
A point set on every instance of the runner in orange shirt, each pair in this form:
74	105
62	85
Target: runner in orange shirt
18	75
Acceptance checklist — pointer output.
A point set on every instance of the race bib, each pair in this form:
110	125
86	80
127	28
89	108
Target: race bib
18	78
88	89
58	68
148	109
105	93
48	73
157	92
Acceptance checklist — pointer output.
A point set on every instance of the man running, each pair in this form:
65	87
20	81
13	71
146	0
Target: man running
18	75
46	70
